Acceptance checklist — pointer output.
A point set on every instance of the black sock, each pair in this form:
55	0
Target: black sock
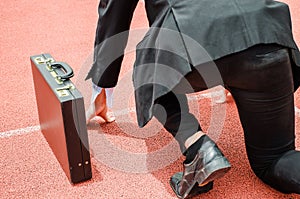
193	149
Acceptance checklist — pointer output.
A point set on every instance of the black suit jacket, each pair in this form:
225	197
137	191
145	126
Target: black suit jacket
183	34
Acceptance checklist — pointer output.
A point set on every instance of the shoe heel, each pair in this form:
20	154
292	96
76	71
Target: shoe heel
214	170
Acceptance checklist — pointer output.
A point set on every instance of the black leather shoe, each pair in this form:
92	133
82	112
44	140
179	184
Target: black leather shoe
209	164
196	190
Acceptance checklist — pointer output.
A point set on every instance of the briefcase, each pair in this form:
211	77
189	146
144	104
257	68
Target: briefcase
62	116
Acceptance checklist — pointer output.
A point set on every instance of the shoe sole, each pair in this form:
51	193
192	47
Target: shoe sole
212	171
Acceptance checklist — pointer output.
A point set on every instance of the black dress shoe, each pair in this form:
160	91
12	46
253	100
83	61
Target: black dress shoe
196	190
209	164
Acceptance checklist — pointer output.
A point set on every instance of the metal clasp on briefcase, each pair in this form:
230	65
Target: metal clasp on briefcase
42	60
64	91
51	65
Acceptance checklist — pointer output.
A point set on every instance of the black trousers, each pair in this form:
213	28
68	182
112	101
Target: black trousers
260	80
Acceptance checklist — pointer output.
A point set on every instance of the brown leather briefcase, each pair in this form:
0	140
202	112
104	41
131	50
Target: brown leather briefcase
62	116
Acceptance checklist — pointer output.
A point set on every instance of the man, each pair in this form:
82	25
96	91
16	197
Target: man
192	45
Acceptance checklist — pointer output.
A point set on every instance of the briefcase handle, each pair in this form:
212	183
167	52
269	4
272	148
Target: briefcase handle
68	70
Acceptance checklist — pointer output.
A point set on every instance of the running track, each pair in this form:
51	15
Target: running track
29	169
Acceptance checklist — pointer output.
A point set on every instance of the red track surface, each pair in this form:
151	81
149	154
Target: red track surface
29	169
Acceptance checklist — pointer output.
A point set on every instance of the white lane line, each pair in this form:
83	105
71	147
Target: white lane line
20	131
297	111
32	129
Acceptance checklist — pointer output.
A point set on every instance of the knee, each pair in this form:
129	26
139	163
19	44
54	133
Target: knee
285	173
282	174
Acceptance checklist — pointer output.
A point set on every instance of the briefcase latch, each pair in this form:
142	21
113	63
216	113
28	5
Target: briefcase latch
65	90
42	60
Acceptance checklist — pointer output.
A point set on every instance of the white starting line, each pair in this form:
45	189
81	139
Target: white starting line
297	111
32	129
20	131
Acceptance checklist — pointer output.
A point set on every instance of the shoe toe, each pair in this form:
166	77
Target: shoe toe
196	190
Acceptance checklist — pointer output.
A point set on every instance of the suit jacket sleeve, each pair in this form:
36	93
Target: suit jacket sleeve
111	38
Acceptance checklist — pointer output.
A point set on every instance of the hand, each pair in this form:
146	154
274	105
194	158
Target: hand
100	110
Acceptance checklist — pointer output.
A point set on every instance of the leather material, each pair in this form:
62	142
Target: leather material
208	165
62	118
196	190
